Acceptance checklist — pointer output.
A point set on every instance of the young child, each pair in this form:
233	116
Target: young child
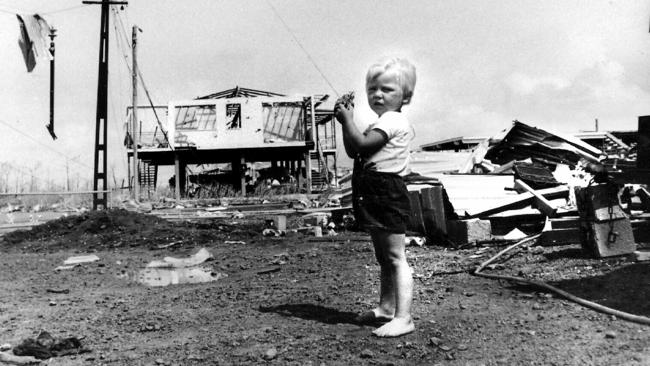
380	199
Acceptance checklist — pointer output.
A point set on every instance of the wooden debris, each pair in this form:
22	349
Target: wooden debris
641	256
560	231
503	168
521	201
433	212
81	259
644	196
280	222
416	221
18	360
164	246
566	230
269	269
541	203
170	262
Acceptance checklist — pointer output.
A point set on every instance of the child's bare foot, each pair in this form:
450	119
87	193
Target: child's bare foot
373	316
395	328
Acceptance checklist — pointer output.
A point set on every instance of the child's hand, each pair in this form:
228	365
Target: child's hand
344	108
346	99
343	114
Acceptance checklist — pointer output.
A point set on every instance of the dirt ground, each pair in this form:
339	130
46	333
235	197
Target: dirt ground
291	300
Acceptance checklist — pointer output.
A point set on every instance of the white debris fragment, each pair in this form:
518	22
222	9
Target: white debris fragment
415	240
81	259
170	262
515	234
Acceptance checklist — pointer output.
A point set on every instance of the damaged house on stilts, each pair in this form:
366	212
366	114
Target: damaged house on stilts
239	138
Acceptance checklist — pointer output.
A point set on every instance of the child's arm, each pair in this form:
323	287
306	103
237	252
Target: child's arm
348	149
354	141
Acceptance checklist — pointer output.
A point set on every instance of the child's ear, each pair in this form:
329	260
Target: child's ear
406	99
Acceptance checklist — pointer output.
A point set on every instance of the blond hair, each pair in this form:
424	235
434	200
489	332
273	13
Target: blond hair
405	74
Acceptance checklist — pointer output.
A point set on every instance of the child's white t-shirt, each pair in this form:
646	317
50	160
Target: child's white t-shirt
394	156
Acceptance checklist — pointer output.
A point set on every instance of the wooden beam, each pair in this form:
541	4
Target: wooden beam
521	201
416	222
433	212
298	172
503	168
242	175
177	177
308	171
541	203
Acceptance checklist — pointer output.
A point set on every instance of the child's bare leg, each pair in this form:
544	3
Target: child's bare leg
386	309
402	279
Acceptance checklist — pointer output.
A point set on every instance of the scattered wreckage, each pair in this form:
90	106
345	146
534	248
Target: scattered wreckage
566	189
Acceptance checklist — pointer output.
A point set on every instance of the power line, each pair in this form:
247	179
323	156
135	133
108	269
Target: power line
124	158
122	44
144	86
64	9
302	47
39	142
13	10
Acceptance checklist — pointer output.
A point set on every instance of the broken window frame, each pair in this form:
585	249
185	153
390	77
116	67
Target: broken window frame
284	120
233	116
201	117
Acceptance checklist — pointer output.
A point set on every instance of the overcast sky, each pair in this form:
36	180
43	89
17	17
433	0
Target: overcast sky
557	65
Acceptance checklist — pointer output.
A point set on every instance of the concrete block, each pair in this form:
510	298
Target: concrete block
598	241
469	231
605	229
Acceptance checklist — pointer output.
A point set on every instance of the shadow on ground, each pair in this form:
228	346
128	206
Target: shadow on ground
568	253
626	289
312	312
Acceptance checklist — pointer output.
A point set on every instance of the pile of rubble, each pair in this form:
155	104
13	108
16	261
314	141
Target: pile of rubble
566	189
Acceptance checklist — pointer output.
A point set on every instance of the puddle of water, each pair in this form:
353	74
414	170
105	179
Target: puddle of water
175	276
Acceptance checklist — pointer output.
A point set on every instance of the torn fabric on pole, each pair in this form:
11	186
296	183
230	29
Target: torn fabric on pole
33	42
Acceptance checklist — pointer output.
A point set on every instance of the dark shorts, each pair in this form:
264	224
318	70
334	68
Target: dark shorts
380	201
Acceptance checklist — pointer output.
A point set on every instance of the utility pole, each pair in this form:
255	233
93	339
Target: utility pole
134	117
100	199
50	126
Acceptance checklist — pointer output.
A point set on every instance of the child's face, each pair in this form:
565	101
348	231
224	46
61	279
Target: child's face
385	93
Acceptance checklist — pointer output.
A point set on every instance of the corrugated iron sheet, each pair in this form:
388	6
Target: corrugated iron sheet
522	141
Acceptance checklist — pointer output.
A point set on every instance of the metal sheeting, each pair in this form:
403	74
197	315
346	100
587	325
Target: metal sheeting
522	141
